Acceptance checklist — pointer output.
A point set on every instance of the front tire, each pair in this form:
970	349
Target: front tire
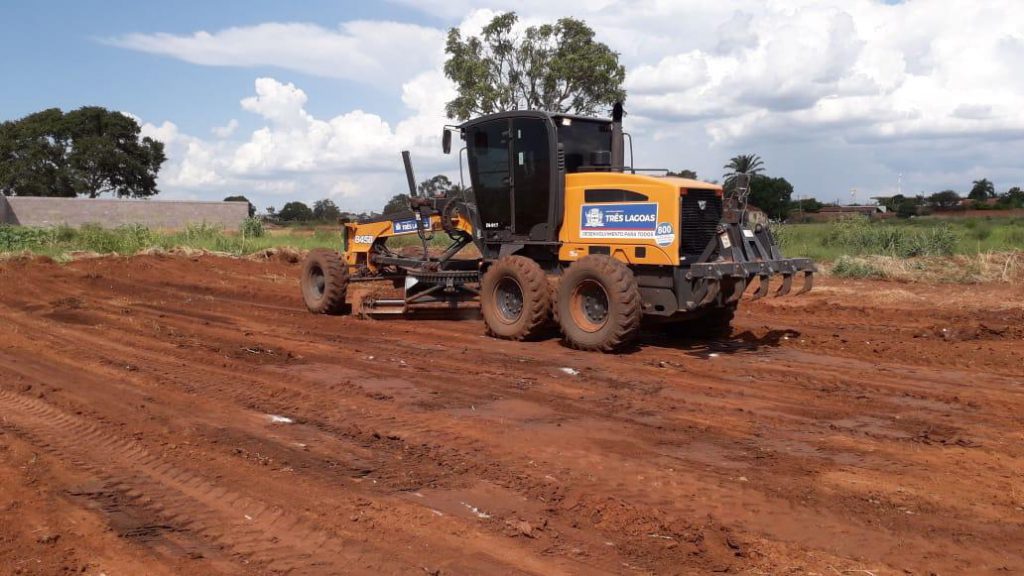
599	304
515	299
324	282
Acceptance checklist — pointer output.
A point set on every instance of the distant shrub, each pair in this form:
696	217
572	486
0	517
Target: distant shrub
251	228
848	267
201	231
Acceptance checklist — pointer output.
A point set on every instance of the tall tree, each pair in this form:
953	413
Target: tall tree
945	200
437	186
555	67
750	164
772	195
252	207
295	212
89	151
397	203
983	190
1014	197
326	210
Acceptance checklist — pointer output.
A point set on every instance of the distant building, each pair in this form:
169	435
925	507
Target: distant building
110	213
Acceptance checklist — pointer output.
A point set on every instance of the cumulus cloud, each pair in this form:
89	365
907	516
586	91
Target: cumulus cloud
353	155
225	131
811	85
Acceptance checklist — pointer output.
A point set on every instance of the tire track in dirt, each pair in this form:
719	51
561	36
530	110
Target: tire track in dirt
252	532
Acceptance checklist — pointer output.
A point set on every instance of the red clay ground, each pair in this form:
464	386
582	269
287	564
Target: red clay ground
867	426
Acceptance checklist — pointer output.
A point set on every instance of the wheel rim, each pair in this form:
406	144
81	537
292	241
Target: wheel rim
508	299
589	305
317	282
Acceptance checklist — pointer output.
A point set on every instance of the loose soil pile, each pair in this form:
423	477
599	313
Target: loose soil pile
172	415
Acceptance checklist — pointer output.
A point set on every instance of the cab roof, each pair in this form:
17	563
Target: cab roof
540	114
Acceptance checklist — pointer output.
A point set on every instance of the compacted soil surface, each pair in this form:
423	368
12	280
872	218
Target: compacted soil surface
176	415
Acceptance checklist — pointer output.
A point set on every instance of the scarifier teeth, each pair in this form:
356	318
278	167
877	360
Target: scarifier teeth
808	283
787	285
737	290
712	293
762	287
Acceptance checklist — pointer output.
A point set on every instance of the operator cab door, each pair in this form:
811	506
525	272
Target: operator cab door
510	163
492	183
531	177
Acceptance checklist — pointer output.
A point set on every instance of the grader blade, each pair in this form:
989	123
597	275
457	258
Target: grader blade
787	285
762	287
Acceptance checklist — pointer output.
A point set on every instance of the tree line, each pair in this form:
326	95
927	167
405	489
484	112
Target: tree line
327	211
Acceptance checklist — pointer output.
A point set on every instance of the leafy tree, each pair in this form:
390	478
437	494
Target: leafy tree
684	174
326	210
89	151
555	67
437	186
809	205
945	200
983	190
271	211
398	203
743	164
892	204
911	207
1014	198
252	207
772	195
295	212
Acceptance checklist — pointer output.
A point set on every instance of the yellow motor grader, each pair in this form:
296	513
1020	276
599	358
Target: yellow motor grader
563	232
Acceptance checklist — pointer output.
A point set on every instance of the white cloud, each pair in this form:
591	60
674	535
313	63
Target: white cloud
375	52
833	93
354	156
225	131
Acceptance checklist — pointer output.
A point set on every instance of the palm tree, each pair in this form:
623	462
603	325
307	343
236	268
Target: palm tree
749	164
982	190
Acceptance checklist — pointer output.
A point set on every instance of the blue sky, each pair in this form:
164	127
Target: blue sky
303	100
64	62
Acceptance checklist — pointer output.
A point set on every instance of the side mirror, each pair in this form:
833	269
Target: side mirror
446	141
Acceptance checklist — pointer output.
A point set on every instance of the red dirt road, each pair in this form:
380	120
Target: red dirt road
166	415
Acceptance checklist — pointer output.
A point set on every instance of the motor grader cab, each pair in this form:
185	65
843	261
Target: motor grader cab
566	232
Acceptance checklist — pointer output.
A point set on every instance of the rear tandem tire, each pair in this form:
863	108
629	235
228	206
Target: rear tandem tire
515	299
324	282
599	304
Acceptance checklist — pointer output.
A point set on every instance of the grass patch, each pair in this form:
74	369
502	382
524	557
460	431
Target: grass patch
958	269
62	241
919	237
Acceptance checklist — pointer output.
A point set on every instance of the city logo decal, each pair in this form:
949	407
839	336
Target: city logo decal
634	220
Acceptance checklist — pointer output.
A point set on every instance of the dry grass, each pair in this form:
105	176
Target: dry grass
961	269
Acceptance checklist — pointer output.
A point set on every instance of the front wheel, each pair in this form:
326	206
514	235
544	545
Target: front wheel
324	282
599	305
515	299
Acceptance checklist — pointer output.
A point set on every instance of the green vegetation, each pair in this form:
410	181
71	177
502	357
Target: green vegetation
61	241
558	67
902	238
85	152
